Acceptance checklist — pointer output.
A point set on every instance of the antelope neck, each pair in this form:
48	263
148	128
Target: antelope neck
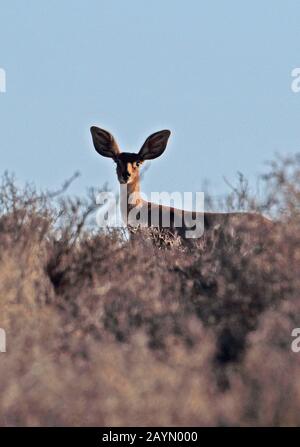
128	190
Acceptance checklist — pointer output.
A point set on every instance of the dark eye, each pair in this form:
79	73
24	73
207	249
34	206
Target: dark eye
137	164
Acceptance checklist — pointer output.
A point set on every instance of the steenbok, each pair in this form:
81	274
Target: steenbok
135	209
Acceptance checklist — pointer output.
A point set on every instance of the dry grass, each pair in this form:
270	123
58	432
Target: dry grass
104	331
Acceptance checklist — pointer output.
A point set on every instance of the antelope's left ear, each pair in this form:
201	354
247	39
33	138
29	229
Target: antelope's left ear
155	145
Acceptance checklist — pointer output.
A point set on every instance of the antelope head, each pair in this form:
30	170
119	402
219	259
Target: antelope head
128	163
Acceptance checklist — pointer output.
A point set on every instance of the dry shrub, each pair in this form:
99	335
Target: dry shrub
102	330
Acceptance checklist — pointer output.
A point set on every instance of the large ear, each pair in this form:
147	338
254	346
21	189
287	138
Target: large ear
155	145
104	142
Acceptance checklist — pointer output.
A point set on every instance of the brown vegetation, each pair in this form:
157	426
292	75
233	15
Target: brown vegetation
106	331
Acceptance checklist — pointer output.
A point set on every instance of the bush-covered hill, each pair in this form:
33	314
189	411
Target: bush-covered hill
102	330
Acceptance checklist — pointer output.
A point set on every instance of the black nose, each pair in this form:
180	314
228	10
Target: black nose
126	176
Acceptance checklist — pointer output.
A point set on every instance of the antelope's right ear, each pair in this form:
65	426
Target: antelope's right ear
104	143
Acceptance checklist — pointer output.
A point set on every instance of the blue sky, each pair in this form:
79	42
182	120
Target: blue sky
217	74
